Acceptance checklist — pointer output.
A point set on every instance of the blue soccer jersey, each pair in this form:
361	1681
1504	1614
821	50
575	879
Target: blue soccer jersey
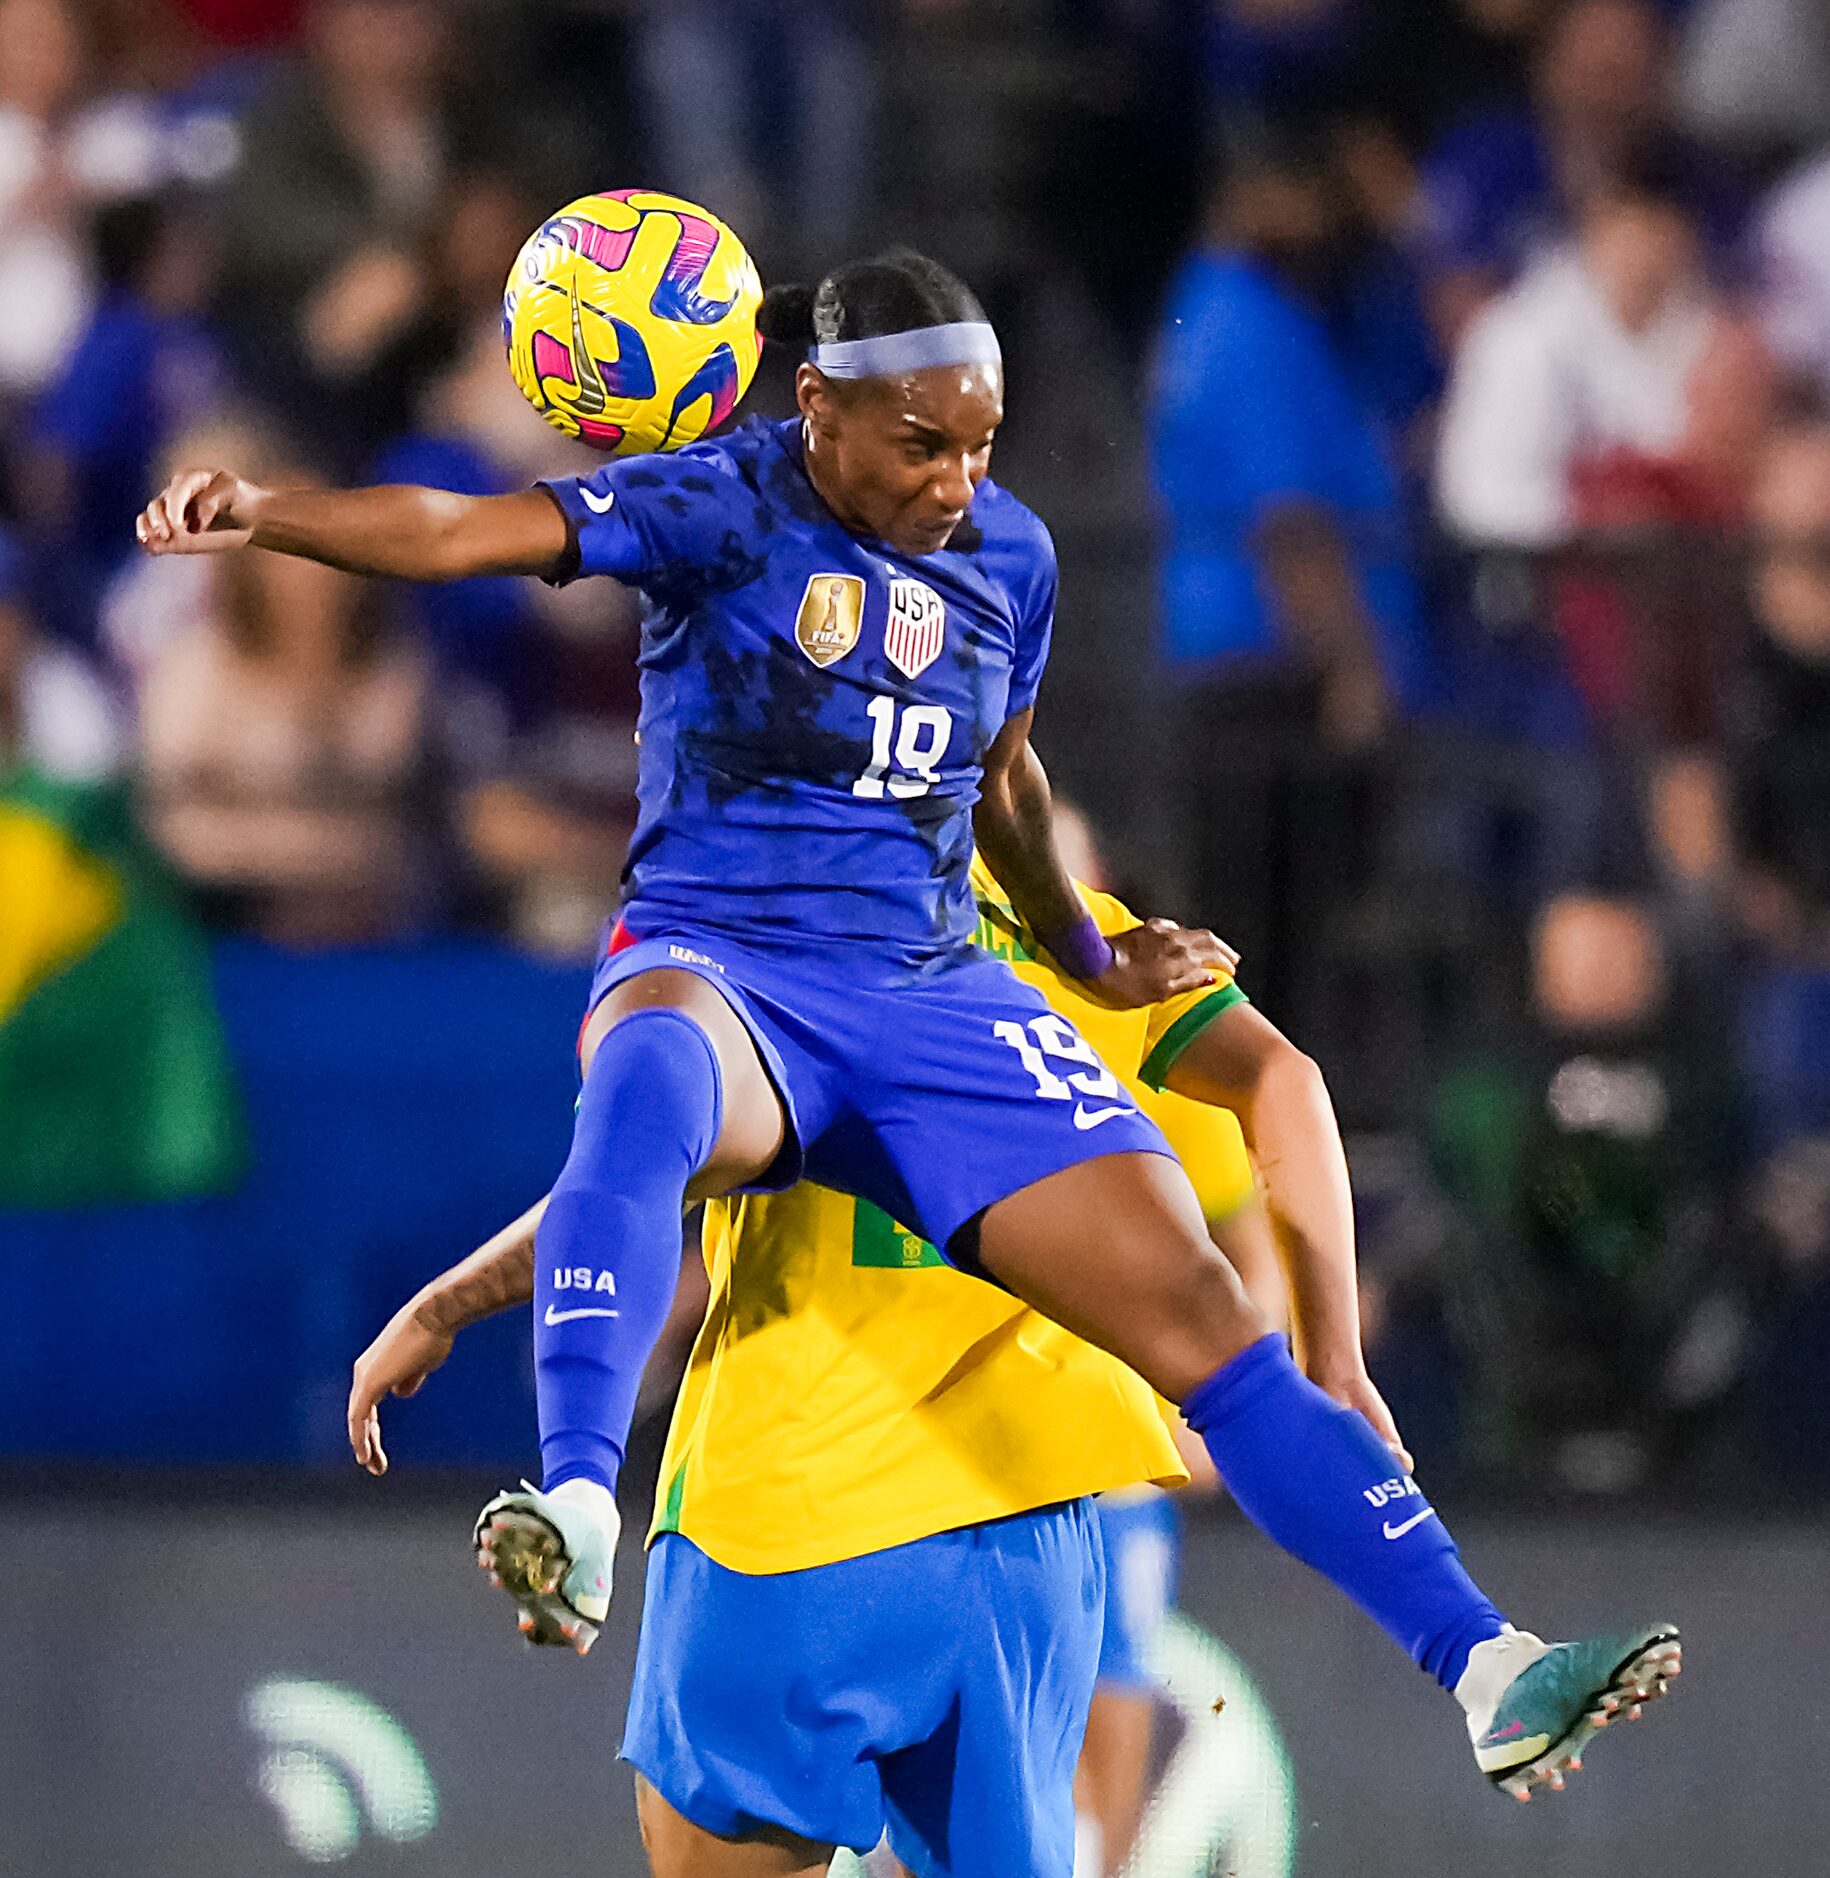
816	707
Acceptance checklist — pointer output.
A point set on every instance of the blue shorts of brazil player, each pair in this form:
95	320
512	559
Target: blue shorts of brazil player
936	1690
1142	1532
931	1094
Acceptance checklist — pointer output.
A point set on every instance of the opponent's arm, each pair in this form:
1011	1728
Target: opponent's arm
1014	828
418	1337
1243	1062
399	530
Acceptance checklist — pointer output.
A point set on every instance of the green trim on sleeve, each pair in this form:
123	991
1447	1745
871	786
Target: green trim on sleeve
1184	1031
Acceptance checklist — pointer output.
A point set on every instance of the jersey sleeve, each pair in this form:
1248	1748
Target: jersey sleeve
652	521
1175	1023
1035	628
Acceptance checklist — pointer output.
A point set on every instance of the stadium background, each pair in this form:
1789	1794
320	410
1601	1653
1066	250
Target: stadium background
1427	396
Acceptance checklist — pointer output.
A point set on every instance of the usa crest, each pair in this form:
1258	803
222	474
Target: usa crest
832	612
917	626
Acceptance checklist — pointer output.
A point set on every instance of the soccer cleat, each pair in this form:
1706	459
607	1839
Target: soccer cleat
1557	1696
552	1553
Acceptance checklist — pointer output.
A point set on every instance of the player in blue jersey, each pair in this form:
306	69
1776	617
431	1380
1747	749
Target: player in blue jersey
846	629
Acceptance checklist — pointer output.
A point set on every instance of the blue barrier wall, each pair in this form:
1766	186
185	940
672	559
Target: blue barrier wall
402	1105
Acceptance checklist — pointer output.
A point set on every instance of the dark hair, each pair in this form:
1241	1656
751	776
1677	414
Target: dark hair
898	291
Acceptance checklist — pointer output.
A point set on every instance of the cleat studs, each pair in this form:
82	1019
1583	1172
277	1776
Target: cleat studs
1635	1712
1575	1766
1556	1783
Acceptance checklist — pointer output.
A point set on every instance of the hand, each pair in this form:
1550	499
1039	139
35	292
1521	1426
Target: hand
1354	1389
396	1363
199	511
1157	960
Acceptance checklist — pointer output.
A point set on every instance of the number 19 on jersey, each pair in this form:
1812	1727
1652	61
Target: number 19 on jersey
906	750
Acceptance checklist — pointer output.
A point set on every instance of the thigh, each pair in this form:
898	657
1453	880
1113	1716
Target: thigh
678	1849
753	1127
1116	1251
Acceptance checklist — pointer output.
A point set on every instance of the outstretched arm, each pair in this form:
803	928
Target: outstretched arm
1243	1062
1014	828
418	1337
401	531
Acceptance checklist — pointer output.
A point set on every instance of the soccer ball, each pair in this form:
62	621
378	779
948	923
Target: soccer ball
630	321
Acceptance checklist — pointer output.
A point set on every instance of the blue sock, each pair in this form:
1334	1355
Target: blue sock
1315	1478
607	1253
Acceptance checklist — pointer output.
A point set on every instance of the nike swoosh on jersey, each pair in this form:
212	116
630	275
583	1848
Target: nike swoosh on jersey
565	1317
1416	1519
1085	1118
598	505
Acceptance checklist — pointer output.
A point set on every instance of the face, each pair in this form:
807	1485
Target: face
899	458
1640	254
1604	63
1598	965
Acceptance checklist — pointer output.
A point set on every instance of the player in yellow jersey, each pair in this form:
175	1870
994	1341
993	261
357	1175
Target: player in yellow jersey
875	1582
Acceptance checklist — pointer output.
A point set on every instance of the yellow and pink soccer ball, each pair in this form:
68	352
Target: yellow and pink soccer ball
630	321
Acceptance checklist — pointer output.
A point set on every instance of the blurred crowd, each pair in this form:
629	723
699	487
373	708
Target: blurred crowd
1432	398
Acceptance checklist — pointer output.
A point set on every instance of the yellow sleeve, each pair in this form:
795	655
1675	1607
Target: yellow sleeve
1177	1021
1210	1146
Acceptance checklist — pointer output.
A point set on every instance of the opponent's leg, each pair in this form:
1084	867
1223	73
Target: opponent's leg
1111	1782
676	1105
678	1849
1116	1250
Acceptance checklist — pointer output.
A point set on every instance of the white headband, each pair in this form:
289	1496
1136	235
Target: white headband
966	342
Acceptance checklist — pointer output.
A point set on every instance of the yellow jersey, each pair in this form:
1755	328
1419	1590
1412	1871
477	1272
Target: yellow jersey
850	1391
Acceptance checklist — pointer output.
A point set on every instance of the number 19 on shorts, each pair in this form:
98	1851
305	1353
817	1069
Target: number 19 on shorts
906	749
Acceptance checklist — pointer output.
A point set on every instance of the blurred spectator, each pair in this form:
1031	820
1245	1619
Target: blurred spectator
344	162
463	257
1285	533
1780	753
1793	243
146	367
1589	1159
1593	353
55	718
43	288
765	107
1754	75
283	735
1501	189
1292	626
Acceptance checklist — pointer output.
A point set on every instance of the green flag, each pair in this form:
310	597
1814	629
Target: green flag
114	1081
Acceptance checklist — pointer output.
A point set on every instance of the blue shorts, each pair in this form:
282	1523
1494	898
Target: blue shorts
1143	1540
933	1095
937	1690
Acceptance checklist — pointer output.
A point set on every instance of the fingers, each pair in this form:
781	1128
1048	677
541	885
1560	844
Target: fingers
365	1433
183	517
1195	943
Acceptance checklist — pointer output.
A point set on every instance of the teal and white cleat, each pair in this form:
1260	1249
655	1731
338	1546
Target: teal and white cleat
552	1553
1549	1700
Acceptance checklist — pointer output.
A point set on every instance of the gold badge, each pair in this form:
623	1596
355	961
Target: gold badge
832	613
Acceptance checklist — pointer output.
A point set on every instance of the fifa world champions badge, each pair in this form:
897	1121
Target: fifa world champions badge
831	615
